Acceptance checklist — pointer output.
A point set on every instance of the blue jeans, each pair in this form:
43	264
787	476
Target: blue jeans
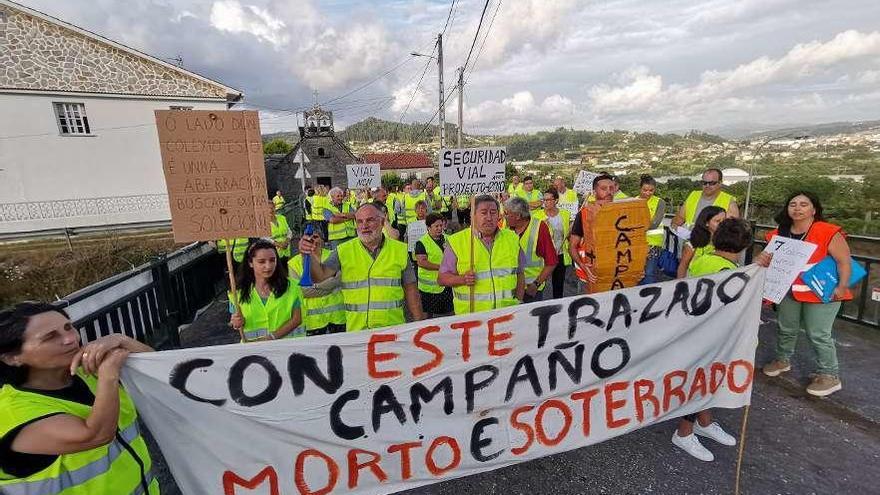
650	267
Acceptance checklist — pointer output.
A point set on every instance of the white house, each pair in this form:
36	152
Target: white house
78	141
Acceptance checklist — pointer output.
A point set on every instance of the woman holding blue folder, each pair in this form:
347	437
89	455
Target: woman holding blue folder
801	218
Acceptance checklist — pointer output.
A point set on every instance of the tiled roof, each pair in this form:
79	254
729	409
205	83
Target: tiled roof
399	161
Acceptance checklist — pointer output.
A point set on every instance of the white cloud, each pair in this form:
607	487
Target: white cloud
411	99
520	111
644	91
332	58
232	16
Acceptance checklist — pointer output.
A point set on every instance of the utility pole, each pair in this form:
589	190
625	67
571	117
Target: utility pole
442	109
460	102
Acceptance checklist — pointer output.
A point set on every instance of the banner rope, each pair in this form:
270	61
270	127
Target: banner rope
742	448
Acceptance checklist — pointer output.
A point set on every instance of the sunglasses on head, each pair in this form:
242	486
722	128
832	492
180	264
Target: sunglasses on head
709	182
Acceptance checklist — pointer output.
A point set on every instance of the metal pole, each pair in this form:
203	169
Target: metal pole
442	109
460	102
749	188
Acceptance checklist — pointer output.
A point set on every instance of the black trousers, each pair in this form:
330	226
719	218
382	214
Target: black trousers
558	278
464	217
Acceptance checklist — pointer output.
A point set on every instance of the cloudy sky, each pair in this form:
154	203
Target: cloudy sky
664	65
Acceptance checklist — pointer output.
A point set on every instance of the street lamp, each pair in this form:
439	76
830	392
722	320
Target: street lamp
752	166
417	54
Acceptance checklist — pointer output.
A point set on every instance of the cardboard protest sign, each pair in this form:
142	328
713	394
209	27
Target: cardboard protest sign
616	243
213	163
790	257
471	171
583	185
400	407
363	175
414	232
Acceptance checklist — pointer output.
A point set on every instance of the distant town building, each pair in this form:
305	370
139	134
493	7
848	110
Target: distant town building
324	153
78	142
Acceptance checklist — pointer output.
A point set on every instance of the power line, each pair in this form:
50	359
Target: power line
476	35
448	17
483	43
416	90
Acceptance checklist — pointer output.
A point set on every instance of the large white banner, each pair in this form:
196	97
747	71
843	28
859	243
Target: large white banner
381	411
471	171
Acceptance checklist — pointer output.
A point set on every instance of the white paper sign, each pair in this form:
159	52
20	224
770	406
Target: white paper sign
471	171
363	175
414	232
583	185
454	396
790	257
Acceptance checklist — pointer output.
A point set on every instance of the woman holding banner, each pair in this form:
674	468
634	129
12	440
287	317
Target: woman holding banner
66	423
266	305
700	242
801	218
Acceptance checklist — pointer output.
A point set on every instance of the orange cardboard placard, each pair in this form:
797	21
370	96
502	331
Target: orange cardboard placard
213	163
616	244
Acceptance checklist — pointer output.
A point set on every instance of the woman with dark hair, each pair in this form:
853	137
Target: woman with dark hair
801	218
269	304
428	252
700	242
657	210
66	424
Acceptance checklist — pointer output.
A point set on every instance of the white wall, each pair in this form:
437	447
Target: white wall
50	181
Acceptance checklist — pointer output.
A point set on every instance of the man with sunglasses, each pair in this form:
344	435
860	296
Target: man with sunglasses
711	195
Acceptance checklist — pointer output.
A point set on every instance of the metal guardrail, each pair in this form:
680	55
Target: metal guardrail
151	301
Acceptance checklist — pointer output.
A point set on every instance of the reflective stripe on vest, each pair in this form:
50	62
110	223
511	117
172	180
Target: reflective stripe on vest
495	271
371	287
318	311
110	468
260	318
693	199
528	243
428	278
338	231
654	236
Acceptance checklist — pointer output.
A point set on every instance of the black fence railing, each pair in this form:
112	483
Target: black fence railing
150	302
863	309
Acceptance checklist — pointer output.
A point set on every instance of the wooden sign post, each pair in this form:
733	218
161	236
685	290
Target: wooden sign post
216	179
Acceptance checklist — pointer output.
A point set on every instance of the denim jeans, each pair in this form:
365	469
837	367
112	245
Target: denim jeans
817	321
651	267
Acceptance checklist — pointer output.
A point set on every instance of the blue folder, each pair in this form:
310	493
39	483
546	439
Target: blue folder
822	277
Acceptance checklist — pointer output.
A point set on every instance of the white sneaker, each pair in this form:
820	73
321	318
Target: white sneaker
692	446
715	432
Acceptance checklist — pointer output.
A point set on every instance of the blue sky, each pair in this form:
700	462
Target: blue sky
659	65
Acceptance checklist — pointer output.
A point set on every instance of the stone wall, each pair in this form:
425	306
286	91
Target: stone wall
39	55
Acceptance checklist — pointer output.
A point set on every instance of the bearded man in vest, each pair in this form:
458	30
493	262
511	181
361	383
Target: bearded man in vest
709	196
536	241
375	273
603	193
497	271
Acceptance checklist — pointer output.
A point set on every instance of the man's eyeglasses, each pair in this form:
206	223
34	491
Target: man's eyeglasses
709	182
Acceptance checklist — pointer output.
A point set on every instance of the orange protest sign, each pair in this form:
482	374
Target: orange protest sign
214	172
615	243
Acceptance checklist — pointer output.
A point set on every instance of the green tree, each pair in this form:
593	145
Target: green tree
277	147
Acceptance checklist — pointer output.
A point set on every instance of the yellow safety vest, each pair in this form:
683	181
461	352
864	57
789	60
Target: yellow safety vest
317	311
372	288
428	278
445	201
569	197
389	205
654	236
690	205
261	318
512	191
337	231
278	200
495	272
530	196
110	468
529	244
566	230
464	202
708	264
239	248
409	205
280	233
318	205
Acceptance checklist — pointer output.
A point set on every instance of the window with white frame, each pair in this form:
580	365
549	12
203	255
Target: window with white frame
72	119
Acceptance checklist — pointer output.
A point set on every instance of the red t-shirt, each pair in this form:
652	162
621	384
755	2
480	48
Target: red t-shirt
544	245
